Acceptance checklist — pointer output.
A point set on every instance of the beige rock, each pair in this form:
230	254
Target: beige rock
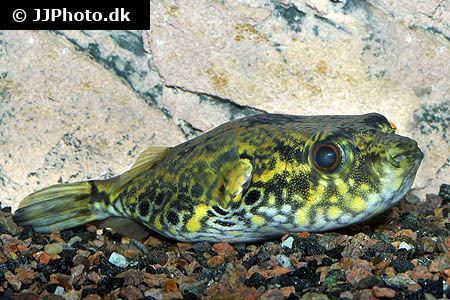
66	118
331	63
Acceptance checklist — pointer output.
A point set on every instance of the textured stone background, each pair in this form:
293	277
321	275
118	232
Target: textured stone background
76	105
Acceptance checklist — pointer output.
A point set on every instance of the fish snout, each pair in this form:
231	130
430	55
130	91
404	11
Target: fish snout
407	151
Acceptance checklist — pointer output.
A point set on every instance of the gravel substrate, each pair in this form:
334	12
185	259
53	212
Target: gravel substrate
402	254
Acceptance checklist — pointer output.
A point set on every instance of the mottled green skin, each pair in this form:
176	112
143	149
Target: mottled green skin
192	193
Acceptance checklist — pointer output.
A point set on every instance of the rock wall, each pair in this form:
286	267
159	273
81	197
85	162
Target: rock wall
76	105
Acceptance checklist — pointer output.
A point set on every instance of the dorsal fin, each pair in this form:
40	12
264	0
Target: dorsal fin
151	156
147	160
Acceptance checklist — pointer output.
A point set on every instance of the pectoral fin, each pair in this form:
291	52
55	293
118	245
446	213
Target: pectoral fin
235	180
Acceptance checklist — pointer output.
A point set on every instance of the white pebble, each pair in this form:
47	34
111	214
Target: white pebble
118	260
73	240
405	246
287	243
284	261
59	290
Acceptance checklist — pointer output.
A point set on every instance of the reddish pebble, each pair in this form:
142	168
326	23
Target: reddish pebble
13	281
383	292
152	242
270	273
215	261
407	232
421	272
131	293
184	246
287	291
42	257
131	277
414	287
94	277
22	248
440	263
25	274
446	273
223	249
170	285
304	234
55	237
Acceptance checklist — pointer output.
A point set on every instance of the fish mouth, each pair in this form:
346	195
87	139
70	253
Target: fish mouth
407	182
412	156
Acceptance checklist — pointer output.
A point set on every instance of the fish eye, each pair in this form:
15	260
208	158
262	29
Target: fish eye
327	157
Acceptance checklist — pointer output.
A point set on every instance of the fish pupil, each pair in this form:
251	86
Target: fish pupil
326	156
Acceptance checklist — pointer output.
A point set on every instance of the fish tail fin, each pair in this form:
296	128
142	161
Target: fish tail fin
62	206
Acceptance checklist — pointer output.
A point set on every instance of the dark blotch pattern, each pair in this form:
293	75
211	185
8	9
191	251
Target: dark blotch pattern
143	208
172	218
252	197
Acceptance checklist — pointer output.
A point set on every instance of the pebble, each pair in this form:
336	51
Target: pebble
407	233
202	247
73	240
12	279
405	246
382	292
433	287
81	260
224	249
54	248
284	261
256	280
215	261
369	282
399	281
76	273
131	293
288	242
131	277
440	263
157	257
7	223
154	294
402	265
118	260
334	278
429	244
421	272
170	285
308	246
59	291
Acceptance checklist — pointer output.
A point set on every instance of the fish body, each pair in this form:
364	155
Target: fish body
248	179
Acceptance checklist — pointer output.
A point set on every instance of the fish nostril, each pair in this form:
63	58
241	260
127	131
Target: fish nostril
399	158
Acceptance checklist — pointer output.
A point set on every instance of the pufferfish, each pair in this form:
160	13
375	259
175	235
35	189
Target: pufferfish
249	179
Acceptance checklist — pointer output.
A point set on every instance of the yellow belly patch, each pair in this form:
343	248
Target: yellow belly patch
302	216
356	204
194	222
334	212
258	220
